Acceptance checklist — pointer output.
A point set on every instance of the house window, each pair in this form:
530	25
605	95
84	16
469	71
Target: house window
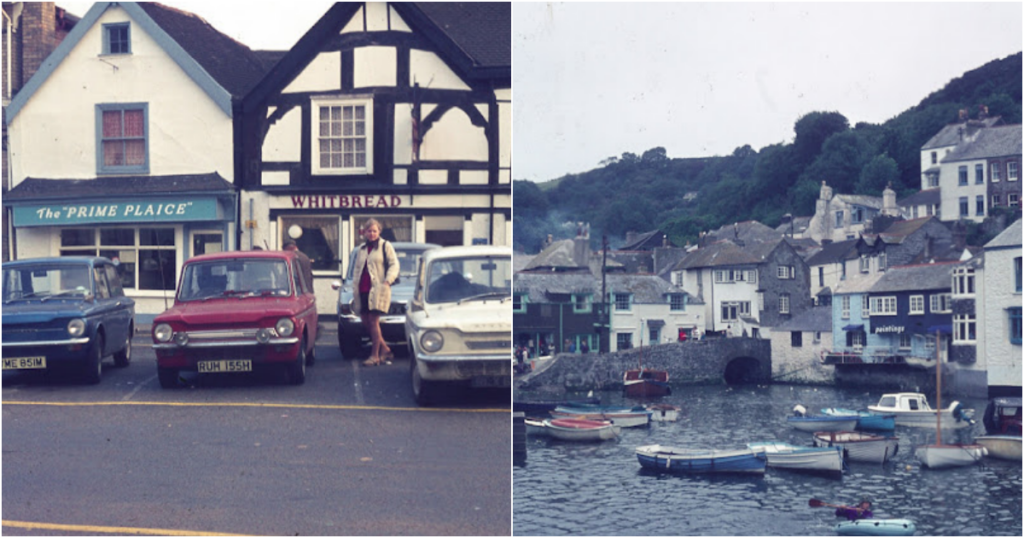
1016	272
730	311
785	272
979	206
996	172
796	339
979	174
783	303
622	302
962	175
817	337
940	303
839	219
963	282
964	328
855	339
1013	200
122	135
1015	324
318	238
117	38
677	302
342	137
881	262
845	312
964	211
581	303
624	340
865	308
865	264
654	335
1011	171
821	277
933	180
917	304
905	340
883	306
935	157
996	200
519	301
147	256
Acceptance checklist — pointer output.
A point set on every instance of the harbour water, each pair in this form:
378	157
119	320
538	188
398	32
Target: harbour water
600	489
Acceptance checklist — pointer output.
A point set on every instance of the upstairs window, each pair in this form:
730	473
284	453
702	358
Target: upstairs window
963	282
962	175
519	301
996	170
883	306
1011	171
965	328
940	303
677	302
784	272
839	219
784	303
933	180
342	137
1014	313
979	174
581	303
623	302
865	264
1016	273
964	211
979	205
845	304
122	130
117	38
935	157
917	304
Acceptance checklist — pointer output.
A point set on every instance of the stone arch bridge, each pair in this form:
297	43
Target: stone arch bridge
709	361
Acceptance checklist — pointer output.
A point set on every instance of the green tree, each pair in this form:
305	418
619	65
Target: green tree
879	172
813	129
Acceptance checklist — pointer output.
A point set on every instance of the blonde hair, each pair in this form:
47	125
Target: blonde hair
372	222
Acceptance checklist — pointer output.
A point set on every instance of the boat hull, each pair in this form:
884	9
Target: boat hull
860	447
576	430
689	461
877	527
866	420
646	383
536	427
663	413
822	424
622	420
1004	447
944	456
540	407
800	458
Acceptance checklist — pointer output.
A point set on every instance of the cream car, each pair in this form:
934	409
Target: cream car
459	321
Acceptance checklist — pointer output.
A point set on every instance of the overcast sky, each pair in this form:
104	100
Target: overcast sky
591	81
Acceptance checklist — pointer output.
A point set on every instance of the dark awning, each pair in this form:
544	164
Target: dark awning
854	328
944	329
655	323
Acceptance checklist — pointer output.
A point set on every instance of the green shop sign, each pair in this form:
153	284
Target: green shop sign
117	212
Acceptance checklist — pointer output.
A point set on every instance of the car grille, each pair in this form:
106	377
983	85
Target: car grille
483	368
489	344
255	353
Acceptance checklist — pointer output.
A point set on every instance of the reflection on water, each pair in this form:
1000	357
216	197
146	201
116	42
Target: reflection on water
600	489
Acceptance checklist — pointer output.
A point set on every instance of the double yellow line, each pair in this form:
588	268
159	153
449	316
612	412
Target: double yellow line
263	405
95	529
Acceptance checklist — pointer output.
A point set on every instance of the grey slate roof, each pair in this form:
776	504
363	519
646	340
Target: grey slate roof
483	30
925	197
558	255
646	289
800	225
539	286
874	202
832	252
727	253
950	134
816	319
749	231
1001	141
857	284
900	229
1010	237
69	189
934	276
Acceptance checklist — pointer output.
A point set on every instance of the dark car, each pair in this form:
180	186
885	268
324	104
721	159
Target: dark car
67	312
351	333
235	312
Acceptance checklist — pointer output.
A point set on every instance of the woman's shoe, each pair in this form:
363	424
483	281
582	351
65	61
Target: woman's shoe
387	357
372	361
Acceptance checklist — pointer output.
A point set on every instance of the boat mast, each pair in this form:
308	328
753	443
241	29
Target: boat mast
938	390
641	347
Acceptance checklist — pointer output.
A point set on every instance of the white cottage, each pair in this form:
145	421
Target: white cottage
999	310
123	145
396	111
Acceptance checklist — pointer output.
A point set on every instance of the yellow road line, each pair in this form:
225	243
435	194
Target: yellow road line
93	529
265	405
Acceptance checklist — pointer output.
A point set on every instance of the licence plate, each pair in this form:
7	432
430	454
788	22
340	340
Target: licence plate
25	363
491	382
221	367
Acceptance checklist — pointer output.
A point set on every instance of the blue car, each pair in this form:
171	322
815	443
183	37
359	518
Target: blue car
67	312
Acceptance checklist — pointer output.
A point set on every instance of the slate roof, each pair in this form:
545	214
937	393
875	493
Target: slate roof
857	284
1010	237
483	30
726	253
901	229
925	197
800	225
558	255
1001	141
539	286
950	134
832	252
933	276
646	289
750	231
638	242
232	64
816	319
861	199
69	189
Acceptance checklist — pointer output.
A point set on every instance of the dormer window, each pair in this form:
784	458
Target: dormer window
117	38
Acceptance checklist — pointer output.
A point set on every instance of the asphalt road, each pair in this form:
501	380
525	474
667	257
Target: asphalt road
347	453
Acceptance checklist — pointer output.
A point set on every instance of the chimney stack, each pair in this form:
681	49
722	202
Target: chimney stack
38	37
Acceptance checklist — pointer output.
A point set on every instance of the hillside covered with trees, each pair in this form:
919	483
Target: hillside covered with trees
687	195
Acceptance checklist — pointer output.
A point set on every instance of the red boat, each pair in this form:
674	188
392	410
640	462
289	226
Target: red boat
644	383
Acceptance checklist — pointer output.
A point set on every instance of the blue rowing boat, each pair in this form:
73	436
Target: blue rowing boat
866	420
688	460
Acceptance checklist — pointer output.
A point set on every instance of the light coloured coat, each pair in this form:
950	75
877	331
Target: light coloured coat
380	294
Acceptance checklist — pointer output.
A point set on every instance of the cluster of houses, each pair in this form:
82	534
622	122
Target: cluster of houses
867	286
141	133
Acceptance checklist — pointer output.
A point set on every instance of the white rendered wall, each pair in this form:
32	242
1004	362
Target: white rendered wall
283	142
801	364
454	138
1003	358
322	74
429	71
949	181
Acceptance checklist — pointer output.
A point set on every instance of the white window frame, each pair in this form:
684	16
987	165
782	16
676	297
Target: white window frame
784	272
906	340
1013	199
916	305
319	103
1012	171
939	300
883	306
783	303
628	301
865	306
962	325
995	175
677	302
865	264
964	282
845	307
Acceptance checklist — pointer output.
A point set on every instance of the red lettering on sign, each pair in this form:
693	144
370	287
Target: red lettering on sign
395	201
298	201
368	201
382	202
356	201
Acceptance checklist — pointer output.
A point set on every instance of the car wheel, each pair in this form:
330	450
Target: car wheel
168	377
351	347
311	356
94	366
297	370
124	357
422	390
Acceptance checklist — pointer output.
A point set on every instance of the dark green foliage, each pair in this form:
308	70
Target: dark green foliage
685	196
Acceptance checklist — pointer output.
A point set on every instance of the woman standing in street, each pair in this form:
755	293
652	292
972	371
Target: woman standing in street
377	265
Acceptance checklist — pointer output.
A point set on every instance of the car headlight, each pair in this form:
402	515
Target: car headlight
181	339
285	327
76	327
162	333
432	341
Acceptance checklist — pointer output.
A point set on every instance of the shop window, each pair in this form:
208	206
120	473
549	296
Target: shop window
342	137
146	258
905	341
117	38
317	237
122	145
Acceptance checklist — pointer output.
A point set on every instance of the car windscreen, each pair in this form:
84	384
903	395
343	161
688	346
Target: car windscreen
235	277
45	281
450	280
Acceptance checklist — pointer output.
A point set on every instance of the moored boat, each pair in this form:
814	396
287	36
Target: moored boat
1004	447
646	383
820	423
860	446
623	417
912	409
866	420
687	460
800	458
664	412
542	407
940	456
569	429
876	527
535	426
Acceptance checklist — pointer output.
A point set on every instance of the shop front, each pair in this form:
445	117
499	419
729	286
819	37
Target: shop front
148	226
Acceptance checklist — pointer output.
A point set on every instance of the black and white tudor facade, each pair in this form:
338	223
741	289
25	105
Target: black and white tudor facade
396	111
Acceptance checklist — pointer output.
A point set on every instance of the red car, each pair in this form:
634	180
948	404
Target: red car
236	311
